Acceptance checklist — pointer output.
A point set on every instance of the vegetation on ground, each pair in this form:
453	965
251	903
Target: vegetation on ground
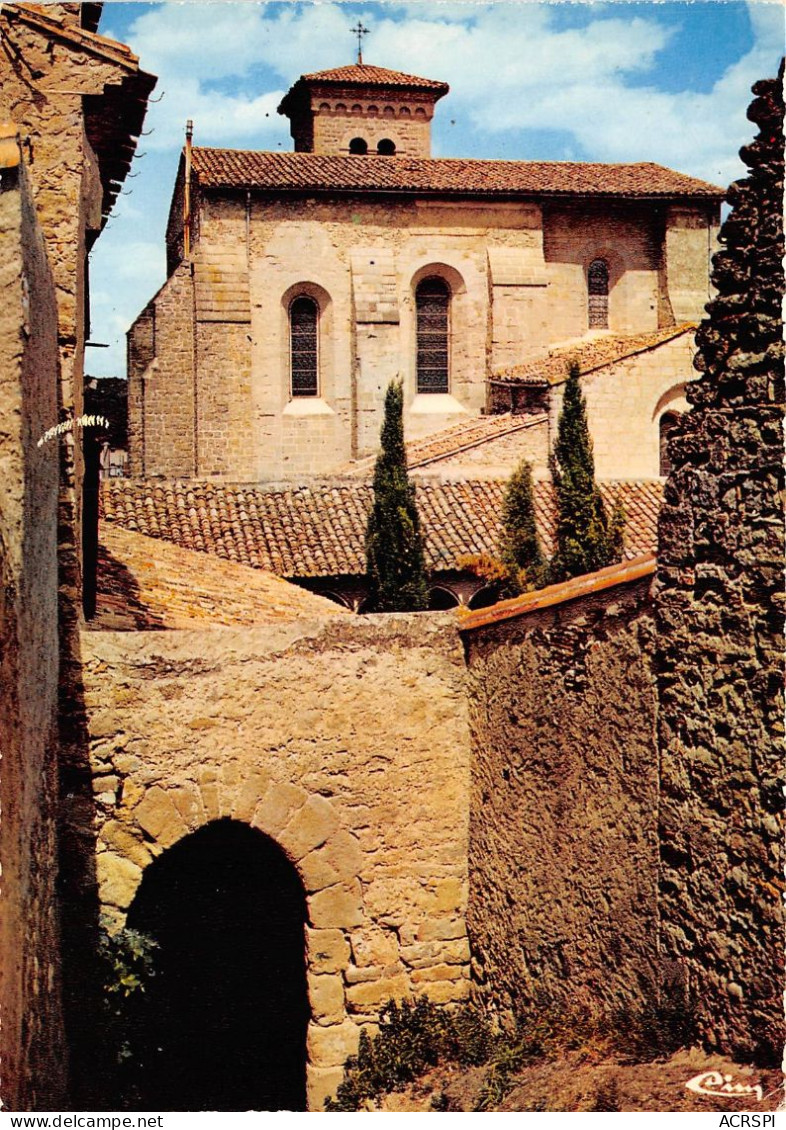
415	1036
395	561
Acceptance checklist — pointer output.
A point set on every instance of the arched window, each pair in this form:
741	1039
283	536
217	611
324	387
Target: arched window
598	294
432	307
303	350
665	425
386	147
358	146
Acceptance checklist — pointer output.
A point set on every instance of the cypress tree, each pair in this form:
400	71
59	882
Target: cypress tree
586	539
519	545
395	562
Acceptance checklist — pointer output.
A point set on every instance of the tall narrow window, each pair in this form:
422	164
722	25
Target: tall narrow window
303	320
598	290
432	305
666	424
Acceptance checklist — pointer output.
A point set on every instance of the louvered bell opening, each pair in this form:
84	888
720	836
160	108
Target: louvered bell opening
432	302
303	317
598	295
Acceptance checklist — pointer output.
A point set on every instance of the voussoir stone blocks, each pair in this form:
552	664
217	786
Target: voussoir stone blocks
157	815
379	853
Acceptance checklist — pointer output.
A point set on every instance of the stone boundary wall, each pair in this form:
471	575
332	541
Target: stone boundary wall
720	602
563	812
32	1067
345	740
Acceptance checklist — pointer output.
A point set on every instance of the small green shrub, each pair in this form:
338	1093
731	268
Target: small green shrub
412	1037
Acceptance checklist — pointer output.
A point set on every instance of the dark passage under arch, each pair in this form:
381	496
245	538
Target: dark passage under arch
224	1020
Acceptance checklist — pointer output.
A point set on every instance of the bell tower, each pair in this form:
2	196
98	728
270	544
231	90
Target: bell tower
362	110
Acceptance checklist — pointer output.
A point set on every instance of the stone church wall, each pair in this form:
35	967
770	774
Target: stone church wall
345	742
625	402
563	809
32	1065
161	376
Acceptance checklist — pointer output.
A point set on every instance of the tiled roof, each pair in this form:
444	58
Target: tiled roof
452	441
590	353
147	584
621	574
318	529
363	74
317	172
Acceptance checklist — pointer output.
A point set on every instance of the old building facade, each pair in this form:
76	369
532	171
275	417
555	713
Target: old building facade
300	284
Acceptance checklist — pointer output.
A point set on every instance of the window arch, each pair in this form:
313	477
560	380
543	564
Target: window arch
432	308
358	146
598	294
303	346
665	425
386	147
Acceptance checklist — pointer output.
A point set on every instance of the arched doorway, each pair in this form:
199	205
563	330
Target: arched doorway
224	1020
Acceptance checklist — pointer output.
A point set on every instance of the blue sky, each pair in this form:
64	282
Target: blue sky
617	81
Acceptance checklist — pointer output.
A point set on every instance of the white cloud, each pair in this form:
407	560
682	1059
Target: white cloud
509	66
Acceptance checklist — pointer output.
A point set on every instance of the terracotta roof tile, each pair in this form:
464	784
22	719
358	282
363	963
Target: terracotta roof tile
317	172
144	583
623	573
364	74
318	529
590	353
451	441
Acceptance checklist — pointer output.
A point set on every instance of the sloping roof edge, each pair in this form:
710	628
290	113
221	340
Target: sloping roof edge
621	574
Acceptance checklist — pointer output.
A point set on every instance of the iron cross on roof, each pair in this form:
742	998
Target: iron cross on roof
359	31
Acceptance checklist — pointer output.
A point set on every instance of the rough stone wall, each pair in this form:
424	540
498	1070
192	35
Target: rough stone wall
346	741
563	809
720	639
42	83
32	1057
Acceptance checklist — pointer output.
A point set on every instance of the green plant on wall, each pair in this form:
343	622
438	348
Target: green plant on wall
395	561
587	540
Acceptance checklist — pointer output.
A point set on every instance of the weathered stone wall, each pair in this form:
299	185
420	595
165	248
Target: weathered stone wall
43	81
346	741
720	638
32	1067
563	809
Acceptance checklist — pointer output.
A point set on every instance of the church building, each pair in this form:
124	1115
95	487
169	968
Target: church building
301	284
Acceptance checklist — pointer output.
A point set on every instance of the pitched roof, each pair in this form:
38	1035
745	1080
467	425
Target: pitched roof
623	573
364	74
452	441
590	354
147	584
318	172
318	529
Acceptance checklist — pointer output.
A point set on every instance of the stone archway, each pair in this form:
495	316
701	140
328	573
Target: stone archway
224	1023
